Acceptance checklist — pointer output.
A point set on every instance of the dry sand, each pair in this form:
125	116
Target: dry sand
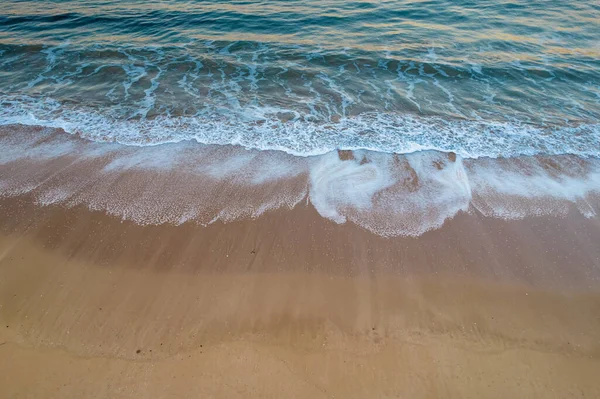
292	305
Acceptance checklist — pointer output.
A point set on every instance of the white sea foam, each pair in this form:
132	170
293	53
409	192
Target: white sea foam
387	194
535	186
390	195
262	128
336	185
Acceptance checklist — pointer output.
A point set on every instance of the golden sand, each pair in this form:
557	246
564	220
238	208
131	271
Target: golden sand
292	305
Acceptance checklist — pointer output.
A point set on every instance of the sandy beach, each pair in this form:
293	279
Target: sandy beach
293	305
299	199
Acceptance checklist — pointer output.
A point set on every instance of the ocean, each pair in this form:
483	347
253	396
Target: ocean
443	106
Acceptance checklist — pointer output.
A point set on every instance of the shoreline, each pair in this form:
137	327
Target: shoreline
387	194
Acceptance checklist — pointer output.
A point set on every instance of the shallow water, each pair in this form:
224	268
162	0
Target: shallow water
387	194
487	78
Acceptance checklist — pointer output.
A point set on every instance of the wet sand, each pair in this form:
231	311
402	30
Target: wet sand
293	305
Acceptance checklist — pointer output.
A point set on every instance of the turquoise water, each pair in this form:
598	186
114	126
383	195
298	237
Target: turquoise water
486	78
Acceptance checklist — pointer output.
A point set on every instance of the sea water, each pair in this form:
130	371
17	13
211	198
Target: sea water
446	105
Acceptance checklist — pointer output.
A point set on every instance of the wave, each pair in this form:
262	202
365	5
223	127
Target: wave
265	129
387	194
257	76
303	100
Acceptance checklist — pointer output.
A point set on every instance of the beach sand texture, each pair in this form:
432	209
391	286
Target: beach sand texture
293	305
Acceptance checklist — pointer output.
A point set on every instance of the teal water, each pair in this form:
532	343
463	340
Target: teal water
488	78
